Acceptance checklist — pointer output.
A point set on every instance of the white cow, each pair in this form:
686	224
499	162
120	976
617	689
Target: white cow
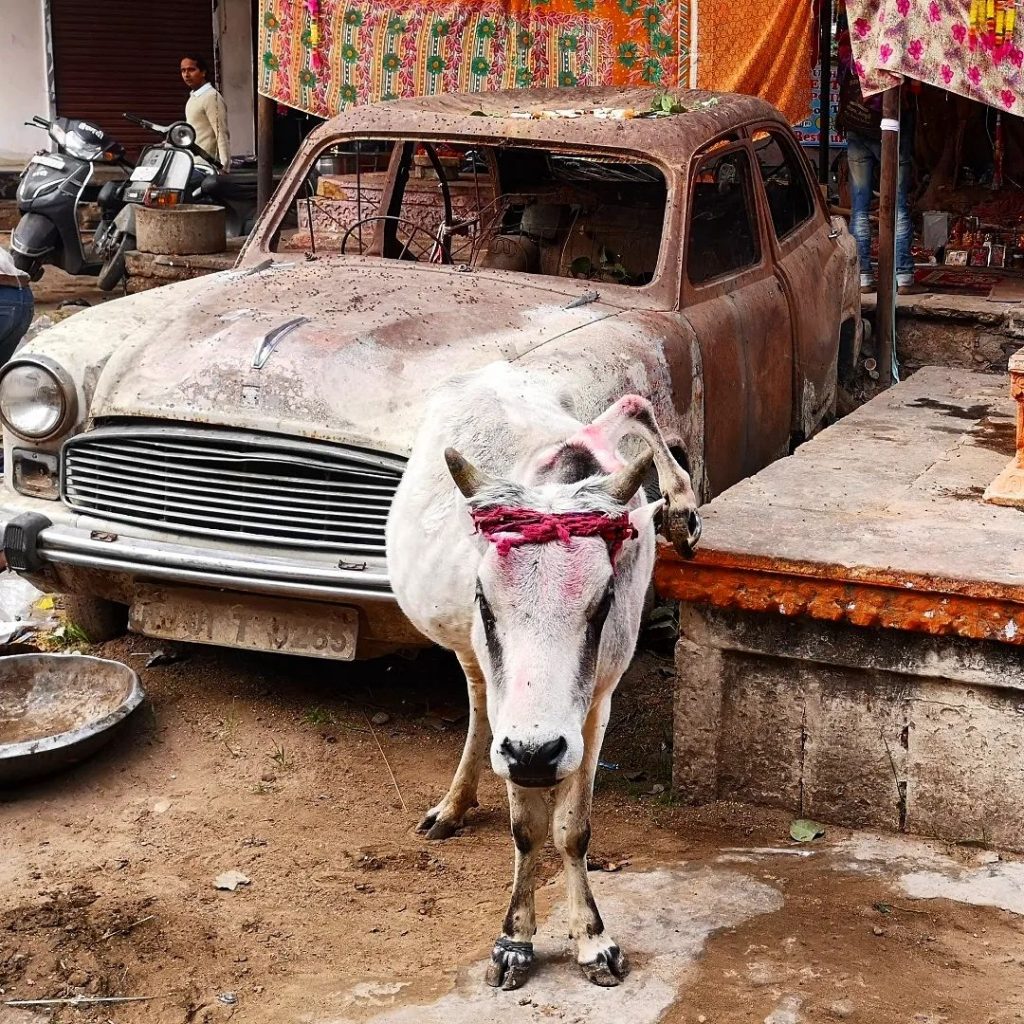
518	540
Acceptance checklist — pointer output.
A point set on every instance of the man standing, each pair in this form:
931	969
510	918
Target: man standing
861	119
16	305
206	110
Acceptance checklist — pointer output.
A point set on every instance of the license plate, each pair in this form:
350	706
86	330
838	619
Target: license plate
48	161
246	621
145	172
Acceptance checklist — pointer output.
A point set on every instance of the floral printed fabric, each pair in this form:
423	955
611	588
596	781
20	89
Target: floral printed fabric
321	55
971	47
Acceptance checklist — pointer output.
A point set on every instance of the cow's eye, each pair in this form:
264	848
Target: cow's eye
600	613
486	615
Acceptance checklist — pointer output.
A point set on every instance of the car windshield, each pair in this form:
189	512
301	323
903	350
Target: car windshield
527	209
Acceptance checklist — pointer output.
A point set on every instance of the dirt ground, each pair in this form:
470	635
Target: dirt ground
273	767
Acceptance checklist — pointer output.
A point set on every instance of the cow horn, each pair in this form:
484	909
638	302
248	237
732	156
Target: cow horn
628	480
467	477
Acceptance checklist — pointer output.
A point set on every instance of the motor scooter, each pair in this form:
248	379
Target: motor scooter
51	190
169	173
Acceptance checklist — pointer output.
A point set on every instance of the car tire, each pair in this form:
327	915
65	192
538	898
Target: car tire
100	620
113	270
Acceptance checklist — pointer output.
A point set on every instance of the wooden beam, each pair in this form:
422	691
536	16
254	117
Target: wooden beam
885	311
825	92
264	151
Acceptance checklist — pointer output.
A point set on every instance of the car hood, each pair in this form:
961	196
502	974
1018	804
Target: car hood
349	351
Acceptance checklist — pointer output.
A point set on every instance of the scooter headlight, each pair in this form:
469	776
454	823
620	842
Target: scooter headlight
182	134
37	398
78	147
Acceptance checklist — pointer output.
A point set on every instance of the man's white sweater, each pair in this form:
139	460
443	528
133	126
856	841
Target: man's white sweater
207	112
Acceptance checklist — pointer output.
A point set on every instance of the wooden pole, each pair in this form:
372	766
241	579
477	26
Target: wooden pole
885	311
264	151
825	91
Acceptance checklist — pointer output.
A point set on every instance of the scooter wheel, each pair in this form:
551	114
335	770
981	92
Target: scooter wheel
113	270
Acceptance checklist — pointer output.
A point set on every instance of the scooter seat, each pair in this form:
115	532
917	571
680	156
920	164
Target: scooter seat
225	186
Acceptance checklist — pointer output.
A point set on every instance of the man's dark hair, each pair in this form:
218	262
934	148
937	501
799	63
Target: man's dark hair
198	60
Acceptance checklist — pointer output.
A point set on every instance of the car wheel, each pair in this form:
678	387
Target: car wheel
113	270
100	620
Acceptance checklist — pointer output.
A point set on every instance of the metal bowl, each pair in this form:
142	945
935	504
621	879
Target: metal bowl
56	709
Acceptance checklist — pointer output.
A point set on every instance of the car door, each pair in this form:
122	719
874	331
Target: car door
739	313
809	264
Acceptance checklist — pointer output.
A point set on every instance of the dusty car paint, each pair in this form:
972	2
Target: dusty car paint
345	349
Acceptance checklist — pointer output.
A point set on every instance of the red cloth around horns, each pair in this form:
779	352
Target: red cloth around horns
519	526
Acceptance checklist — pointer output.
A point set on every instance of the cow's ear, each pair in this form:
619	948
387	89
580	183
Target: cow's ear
642	517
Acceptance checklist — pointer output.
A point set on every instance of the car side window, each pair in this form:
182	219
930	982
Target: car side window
723	235
785	183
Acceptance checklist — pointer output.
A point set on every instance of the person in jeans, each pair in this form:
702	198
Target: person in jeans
16	305
862	121
863	155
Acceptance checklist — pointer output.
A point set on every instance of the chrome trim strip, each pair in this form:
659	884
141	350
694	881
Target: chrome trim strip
189	565
272	338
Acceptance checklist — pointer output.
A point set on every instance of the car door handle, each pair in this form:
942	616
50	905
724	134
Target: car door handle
834	234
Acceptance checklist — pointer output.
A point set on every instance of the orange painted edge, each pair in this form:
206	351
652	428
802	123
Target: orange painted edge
898	605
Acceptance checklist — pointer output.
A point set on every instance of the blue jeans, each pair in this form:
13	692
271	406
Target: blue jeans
16	306
862	156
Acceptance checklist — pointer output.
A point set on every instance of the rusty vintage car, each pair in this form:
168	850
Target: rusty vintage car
219	454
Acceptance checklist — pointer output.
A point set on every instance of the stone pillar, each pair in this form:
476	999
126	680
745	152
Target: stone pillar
697	719
1008	487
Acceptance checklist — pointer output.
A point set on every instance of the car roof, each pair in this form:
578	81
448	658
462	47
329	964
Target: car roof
525	114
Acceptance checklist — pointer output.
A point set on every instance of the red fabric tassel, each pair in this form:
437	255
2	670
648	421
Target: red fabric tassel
519	526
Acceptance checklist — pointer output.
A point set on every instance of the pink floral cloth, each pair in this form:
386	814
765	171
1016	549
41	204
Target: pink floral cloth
932	41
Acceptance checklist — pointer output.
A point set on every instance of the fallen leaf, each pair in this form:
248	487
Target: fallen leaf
230	880
805	831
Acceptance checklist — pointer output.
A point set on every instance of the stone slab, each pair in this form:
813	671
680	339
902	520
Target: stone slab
877	520
851	725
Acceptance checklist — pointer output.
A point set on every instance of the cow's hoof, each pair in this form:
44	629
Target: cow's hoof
603	963
510	963
438	825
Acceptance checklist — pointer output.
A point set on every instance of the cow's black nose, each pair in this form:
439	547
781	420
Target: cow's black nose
533	765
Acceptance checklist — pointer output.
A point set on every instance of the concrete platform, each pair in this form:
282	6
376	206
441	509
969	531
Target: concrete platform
852	630
145	270
955	330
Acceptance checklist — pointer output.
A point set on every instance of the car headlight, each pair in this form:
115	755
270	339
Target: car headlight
37	398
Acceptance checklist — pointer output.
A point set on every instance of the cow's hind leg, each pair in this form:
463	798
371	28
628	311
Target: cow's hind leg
597	953
447	817
512	956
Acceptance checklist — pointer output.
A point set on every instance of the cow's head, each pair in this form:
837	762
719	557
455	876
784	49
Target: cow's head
556	596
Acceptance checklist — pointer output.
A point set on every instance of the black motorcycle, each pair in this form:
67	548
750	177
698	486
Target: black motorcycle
52	188
170	173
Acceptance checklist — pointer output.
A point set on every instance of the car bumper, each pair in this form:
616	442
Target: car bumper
77	555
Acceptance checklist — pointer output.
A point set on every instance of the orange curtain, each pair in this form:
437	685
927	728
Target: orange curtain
764	49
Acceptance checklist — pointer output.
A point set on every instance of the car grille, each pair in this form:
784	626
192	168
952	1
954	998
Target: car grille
247	487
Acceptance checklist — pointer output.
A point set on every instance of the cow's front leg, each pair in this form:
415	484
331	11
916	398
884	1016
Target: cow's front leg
597	953
512	956
446	818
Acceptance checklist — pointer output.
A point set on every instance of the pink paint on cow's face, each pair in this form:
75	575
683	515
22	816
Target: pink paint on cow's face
535	639
601	449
